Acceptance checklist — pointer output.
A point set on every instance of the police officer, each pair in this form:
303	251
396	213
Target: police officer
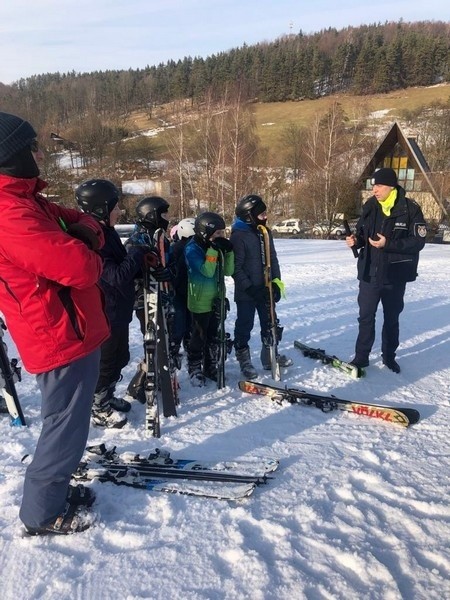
389	234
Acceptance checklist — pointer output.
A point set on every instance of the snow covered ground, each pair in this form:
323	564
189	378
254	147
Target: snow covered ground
358	508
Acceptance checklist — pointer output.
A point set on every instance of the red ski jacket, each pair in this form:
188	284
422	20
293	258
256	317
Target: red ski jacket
48	280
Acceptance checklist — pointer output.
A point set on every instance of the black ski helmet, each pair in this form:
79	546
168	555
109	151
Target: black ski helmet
149	211
249	207
207	223
97	197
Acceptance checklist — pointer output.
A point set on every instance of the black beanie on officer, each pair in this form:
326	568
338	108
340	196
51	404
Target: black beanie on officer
385	176
16	158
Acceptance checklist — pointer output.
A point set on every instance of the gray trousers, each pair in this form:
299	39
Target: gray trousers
67	395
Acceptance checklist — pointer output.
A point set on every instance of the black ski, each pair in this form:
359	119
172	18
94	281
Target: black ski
151	303
159	472
258	467
205	489
275	331
391	414
9	373
222	306
142	474
167	369
328	359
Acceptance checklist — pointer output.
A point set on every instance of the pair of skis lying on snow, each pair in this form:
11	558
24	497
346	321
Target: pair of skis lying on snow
399	415
228	480
159	472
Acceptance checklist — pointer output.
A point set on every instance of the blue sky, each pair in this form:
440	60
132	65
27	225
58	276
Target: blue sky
45	36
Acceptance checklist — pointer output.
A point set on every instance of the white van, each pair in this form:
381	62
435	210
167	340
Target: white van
288	226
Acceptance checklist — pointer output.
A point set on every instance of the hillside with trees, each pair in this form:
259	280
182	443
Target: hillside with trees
208	139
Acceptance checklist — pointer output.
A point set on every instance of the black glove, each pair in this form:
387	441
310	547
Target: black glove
223	244
257	292
276	292
85	234
162	273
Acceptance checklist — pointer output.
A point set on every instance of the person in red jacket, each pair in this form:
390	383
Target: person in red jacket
51	301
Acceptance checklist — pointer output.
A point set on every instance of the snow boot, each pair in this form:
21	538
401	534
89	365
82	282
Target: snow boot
359	362
245	363
136	387
391	364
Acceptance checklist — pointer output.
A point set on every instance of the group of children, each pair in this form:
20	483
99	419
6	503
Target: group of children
188	263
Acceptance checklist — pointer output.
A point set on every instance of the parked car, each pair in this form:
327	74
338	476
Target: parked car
292	226
337	229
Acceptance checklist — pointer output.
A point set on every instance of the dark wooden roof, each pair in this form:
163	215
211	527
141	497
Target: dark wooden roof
416	158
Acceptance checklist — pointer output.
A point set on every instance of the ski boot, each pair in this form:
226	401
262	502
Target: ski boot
102	415
210	366
175	355
115	403
245	363
136	387
73	519
195	371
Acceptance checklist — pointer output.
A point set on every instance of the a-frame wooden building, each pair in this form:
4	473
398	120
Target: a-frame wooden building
402	153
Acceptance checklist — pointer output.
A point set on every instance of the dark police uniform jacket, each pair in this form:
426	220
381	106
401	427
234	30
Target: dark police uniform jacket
405	232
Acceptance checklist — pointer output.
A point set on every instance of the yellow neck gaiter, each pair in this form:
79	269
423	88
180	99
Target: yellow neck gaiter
387	205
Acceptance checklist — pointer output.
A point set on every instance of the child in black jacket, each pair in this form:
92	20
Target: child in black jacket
99	198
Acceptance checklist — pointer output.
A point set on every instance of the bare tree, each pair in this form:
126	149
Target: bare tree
293	137
179	152
330	150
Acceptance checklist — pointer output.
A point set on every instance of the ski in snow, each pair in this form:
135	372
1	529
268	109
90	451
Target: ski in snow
145	473
328	359
162	459
122	475
390	414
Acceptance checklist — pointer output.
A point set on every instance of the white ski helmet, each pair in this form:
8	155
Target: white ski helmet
185	228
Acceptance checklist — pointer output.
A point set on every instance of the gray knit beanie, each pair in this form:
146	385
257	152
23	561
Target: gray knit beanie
15	135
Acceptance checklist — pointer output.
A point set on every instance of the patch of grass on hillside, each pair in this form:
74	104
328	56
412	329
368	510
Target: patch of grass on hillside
271	118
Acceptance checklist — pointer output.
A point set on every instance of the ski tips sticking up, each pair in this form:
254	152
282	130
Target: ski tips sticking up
389	414
328	359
